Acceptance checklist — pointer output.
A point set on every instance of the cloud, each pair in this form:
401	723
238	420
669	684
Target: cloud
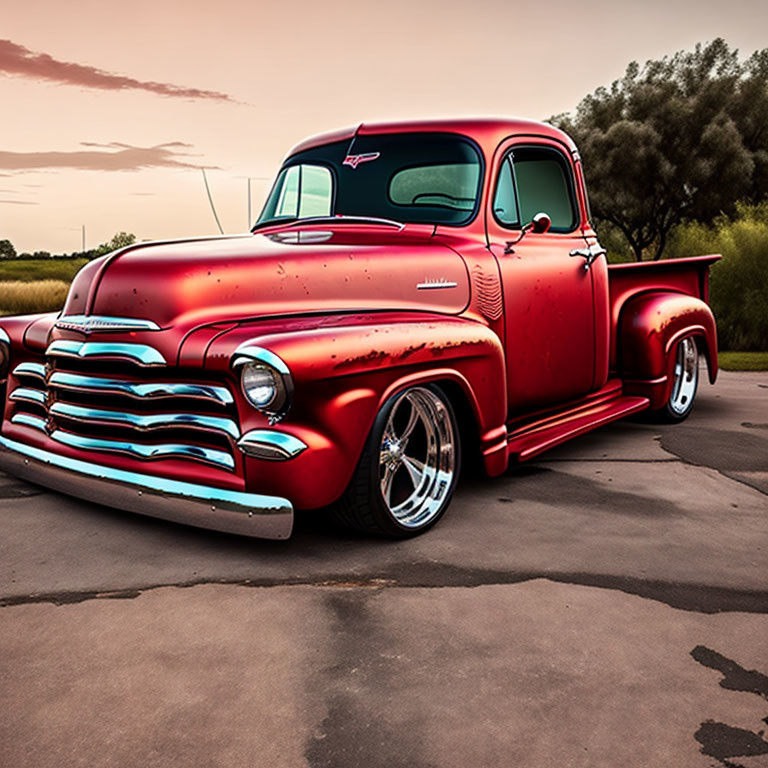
20	61
144	194
19	202
103	157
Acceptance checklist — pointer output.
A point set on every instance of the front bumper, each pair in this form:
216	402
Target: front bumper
248	514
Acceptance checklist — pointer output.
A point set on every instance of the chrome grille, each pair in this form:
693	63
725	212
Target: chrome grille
116	398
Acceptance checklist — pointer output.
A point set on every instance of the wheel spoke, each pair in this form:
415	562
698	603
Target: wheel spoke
413	418
386	484
415	470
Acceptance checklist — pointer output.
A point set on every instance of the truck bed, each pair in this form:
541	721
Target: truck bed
688	276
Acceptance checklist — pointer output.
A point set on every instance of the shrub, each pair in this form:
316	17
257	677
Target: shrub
739	282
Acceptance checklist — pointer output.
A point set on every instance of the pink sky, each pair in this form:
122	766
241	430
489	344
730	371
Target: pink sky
109	108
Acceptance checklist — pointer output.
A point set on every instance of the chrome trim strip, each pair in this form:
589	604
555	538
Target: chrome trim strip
105	323
250	514
30	369
147	421
247	353
28	420
270	444
141	451
4	336
432	284
143	354
152	390
28	395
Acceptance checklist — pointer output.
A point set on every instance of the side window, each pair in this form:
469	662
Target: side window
541	179
505	200
300	191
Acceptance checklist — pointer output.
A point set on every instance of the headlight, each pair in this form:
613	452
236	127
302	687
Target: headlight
262	386
265	380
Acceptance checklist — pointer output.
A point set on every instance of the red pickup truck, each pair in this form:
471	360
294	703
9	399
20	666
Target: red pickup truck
413	295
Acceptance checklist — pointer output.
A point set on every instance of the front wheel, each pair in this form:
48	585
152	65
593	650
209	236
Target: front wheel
685	380
408	470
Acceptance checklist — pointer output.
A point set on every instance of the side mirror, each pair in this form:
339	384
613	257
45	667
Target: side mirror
540	223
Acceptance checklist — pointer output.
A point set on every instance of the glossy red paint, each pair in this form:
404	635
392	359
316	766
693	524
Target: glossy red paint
531	347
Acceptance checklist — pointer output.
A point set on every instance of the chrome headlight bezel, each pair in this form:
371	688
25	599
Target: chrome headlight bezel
250	360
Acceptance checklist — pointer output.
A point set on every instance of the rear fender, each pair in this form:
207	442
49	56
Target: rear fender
343	374
650	326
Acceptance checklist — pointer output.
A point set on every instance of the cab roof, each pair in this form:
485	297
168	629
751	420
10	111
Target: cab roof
487	132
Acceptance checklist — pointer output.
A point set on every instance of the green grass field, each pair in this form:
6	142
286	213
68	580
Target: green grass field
743	361
19	297
40	269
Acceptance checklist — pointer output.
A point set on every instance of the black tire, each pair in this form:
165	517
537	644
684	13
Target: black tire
390	460
685	382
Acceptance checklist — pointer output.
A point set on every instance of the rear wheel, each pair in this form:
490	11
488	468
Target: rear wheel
685	380
407	474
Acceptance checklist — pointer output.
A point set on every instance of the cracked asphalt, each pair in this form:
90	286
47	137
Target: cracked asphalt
605	605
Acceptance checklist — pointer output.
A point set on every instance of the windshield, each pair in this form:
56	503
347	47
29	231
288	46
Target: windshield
410	177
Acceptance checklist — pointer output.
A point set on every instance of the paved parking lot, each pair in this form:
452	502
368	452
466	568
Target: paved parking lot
604	606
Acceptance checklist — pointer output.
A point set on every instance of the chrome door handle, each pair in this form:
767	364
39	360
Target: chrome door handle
589	254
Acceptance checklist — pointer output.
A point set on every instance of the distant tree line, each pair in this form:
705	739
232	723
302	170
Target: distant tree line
120	240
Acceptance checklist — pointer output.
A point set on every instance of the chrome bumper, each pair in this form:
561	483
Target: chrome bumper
248	514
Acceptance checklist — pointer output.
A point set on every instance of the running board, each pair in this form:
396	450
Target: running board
533	439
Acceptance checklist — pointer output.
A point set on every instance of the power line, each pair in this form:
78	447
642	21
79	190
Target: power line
210	200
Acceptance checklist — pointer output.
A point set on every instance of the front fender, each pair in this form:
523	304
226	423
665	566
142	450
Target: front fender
650	326
344	370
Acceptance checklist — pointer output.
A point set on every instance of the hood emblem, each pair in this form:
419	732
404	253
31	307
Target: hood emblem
354	160
432	283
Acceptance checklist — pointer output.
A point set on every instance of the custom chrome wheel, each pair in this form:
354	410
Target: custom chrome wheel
417	458
409	467
684	382
686	377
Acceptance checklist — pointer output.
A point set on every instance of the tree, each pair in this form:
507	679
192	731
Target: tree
120	240
680	139
7	251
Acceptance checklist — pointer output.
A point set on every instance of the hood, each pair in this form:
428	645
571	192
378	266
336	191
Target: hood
286	272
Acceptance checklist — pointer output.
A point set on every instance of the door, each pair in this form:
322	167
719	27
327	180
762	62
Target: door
548	301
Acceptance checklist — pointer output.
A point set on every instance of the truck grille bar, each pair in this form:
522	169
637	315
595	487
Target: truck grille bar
138	450
149	390
145	421
142	354
109	397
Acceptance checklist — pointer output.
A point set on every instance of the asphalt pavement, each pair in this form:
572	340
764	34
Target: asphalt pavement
604	605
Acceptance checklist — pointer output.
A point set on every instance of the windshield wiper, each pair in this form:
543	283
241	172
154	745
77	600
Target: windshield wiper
338	219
